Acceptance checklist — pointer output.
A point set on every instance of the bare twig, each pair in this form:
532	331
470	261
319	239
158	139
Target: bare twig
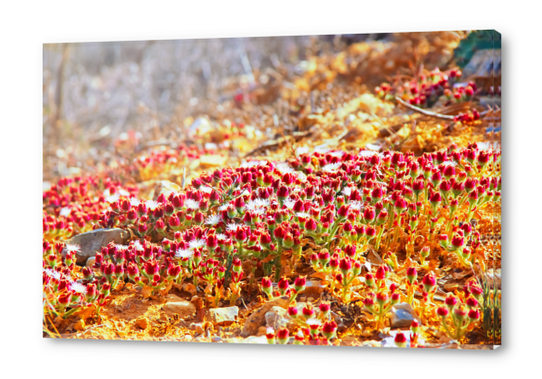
423	111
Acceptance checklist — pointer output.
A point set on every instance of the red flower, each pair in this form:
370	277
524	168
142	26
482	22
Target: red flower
151	268
369	214
328	329
429	282
474	314
380	273
369	280
65	299
282	335
412	274
343	211
292	312
458	241
400	340
307	311
345	266
299	283
283	285
282	193
442	312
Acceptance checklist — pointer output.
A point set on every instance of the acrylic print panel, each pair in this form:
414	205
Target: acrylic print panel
313	190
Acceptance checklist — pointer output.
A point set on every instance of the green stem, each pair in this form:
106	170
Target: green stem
379	237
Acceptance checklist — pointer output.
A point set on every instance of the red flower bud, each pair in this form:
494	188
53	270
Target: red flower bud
282	336
472	302
345	266
380	273
151	268
307	311
299	283
400	340
310	225
429	282
412	274
442	312
474	314
292	312
267	286
328	329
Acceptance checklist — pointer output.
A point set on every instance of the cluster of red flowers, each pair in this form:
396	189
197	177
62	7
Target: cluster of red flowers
425	90
263	213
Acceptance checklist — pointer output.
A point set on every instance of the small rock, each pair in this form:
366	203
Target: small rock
254	339
165	187
350	340
374	258
262	331
90	262
216	339
198	328
200	126
177	305
403	315
276	318
257	318
92	242
142	323
224	315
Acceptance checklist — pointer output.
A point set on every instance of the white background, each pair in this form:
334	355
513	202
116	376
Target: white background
24	27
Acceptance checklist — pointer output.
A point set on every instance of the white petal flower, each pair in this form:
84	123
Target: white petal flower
213	220
223	207
184	253
138	246
257	205
232	227
346	191
331	167
284	168
53	273
356	205
259	211
72	248
121	247
303	215
337	153
134	202
221	237
262	202
151	204
253	163
289	203
78	287
191	204
111	199
65	211
450	163
206	189
196	244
